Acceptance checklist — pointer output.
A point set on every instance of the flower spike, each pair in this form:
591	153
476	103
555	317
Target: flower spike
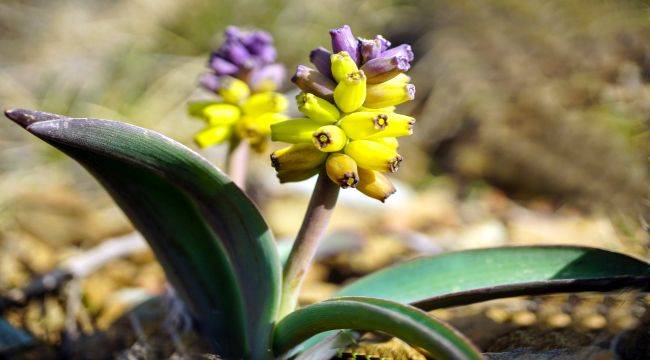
244	77
349	103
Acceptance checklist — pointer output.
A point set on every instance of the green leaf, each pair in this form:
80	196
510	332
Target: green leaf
405	322
214	245
470	276
12	339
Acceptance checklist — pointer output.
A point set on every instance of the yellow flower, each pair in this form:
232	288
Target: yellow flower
317	109
342	170
239	115
329	138
342	65
350	93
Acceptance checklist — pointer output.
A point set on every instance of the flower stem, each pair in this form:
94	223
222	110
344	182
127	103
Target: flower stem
237	162
317	216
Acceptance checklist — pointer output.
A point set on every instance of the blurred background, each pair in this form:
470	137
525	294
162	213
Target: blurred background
533	127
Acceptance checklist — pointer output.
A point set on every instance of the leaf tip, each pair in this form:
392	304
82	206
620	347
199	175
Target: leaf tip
26	117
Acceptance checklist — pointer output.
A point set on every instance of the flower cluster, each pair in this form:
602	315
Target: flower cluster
350	124
244	75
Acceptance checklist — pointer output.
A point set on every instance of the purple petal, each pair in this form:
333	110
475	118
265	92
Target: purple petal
370	49
385	44
321	58
257	38
222	66
260	78
343	40
260	44
210	82
233	33
384	68
235	52
266	54
401	50
312	81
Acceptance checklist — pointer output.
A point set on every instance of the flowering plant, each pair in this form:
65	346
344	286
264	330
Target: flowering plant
219	253
244	76
350	124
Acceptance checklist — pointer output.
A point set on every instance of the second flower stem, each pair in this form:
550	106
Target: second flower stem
237	162
314	225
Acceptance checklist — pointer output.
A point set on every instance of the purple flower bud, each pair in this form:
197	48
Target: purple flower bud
385	44
267	78
233	33
222	66
385	68
210	82
320	57
343	40
235	52
371	49
401	50
312	81
257	38
260	44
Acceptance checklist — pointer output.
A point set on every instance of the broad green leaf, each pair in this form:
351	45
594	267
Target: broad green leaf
359	313
12	339
470	276
214	245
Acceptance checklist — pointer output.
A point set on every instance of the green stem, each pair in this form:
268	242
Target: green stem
314	224
237	162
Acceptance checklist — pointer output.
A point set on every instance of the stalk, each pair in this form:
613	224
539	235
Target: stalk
237	162
313	227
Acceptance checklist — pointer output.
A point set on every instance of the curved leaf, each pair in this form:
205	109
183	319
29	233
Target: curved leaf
12	339
470	276
214	245
358	313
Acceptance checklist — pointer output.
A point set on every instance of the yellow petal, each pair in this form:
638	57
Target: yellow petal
373	156
317	109
258	127
233	90
212	135
266	102
297	157
342	65
221	114
342	170
390	142
329	138
392	92
350	93
195	108
294	131
375	184
372	125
